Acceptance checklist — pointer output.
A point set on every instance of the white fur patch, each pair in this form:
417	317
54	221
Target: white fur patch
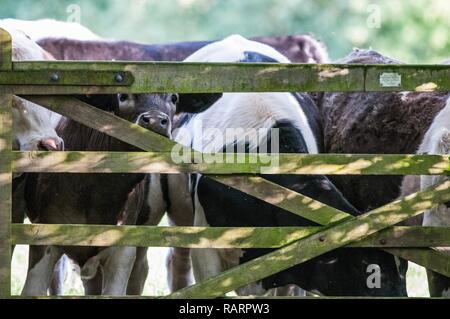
231	49
247	111
437	141
49	28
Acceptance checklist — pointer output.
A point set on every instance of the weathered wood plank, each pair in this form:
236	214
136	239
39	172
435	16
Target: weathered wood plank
249	77
211	237
425	257
143	236
5	194
151	162
337	236
104	122
217	77
55	77
403	236
411	78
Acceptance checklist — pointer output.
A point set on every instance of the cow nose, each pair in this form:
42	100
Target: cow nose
50	144
157	122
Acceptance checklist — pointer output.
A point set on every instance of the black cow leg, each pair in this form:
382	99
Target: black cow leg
178	264
18	203
93	286
438	284
139	273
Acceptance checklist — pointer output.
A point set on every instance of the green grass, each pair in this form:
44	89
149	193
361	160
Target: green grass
155	285
416	281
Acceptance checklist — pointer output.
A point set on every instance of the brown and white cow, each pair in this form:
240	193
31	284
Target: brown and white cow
435	141
377	123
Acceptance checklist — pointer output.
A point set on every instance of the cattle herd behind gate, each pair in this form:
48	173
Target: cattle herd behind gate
348	123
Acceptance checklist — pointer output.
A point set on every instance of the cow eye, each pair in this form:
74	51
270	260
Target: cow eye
123	97
174	98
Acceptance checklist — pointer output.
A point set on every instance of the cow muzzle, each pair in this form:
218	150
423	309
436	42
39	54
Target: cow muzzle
51	144
157	122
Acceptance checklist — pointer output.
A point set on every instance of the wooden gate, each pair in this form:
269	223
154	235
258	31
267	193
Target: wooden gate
46	83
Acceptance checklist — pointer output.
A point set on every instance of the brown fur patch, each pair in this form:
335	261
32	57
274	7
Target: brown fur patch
298	48
375	123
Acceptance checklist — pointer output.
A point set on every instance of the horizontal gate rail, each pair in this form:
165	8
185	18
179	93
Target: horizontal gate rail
90	162
315	245
162	162
66	77
212	237
184	77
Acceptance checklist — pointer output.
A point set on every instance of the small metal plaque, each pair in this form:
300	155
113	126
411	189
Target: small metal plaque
390	80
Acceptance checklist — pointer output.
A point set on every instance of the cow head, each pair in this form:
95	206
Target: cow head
152	111
34	127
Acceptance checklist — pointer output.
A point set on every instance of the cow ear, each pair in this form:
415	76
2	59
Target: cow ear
196	102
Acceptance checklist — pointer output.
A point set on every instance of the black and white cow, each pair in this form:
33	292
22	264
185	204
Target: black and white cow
437	141
294	121
43	28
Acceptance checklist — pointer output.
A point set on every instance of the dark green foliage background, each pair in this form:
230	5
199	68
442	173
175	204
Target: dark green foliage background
414	31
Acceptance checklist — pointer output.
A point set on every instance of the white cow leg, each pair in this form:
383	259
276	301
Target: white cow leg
180	213
42	264
139	273
59	276
439	285
288	290
206	262
117	267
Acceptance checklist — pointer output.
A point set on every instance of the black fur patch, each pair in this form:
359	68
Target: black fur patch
255	57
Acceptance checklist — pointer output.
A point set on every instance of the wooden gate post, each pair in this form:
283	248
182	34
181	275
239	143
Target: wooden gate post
5	171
